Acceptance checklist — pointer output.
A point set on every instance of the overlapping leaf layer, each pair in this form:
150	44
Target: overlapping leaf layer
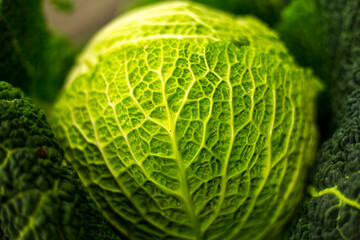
40	196
189	124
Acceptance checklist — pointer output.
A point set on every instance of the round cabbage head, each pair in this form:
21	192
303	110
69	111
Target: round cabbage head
185	122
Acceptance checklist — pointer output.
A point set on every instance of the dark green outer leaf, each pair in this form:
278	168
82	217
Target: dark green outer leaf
332	209
40	196
341	22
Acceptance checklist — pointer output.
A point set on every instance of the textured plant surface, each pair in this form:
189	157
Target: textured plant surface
187	123
40	197
332	209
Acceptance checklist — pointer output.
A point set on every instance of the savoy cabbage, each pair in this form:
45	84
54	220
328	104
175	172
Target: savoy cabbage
185	122
179	121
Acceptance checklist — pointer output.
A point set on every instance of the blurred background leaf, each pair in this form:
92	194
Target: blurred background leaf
32	57
64	5
267	10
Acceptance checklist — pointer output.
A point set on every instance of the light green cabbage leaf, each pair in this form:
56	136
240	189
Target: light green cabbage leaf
185	122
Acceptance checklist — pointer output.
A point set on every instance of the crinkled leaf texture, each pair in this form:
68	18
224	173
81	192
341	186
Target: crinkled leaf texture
40	196
187	123
332	210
